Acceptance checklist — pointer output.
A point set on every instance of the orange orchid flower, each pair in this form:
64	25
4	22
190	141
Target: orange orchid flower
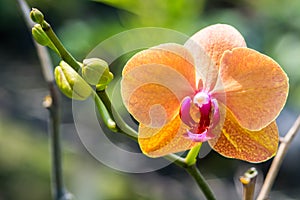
213	88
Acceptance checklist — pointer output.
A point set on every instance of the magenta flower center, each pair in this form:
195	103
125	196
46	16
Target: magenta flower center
209	116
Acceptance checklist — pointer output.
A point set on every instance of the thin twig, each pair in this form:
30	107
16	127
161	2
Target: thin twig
249	180
58	186
42	52
52	103
282	150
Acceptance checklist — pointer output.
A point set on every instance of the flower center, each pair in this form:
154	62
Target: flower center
201	98
209	116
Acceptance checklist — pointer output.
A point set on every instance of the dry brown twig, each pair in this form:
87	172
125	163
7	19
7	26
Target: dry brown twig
278	159
248	180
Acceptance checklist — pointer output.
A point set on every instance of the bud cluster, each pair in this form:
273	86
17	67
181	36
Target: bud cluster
71	83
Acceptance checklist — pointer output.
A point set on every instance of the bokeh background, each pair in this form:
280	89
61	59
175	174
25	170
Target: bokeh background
271	27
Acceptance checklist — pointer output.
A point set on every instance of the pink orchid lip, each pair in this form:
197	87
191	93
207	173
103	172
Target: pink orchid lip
202	137
210	116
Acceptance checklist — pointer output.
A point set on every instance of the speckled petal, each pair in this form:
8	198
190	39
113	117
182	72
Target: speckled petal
156	142
239	143
255	85
208	46
155	81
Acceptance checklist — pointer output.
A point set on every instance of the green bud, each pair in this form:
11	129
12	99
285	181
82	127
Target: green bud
70	82
41	37
96	72
36	16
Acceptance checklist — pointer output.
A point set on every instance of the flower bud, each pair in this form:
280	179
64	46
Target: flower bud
70	82
36	16
39	35
96	72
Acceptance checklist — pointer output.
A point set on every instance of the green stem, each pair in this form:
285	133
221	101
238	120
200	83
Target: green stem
105	114
178	160
104	97
124	128
64	54
196	174
191	157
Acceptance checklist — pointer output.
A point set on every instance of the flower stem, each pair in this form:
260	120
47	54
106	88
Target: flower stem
63	53
178	160
61	50
196	174
105	114
191	157
123	127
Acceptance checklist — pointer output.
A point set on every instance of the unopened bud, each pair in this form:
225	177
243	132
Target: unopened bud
39	35
36	16
70	82
96	72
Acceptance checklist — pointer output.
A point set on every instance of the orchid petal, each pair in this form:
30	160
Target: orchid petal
256	87
208	45
240	143
216	116
156	142
185	110
155	81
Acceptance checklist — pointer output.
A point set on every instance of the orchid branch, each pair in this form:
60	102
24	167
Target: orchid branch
200	180
62	51
110	115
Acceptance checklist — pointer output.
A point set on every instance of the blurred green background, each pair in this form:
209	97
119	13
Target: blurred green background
271	27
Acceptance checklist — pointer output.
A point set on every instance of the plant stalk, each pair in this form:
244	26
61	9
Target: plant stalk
191	157
196	174
64	54
55	144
